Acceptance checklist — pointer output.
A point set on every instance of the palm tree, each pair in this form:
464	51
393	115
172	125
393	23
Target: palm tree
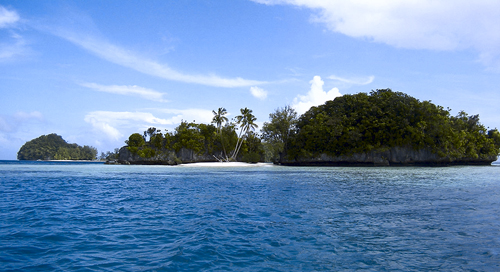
247	122
219	119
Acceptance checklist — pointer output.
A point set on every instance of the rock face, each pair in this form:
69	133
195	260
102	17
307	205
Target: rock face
396	156
166	157
189	156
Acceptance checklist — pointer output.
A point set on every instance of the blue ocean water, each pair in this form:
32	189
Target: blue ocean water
96	217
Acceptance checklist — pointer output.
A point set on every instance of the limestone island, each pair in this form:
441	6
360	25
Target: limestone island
382	128
54	147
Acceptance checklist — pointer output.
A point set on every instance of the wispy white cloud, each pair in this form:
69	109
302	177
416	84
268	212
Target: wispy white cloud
425	24
11	123
258	93
133	60
316	96
5	125
18	128
110	123
114	124
133	90
354	80
8	17
111	133
197	115
24	116
16	45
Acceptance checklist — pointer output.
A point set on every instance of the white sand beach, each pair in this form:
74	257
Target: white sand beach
226	164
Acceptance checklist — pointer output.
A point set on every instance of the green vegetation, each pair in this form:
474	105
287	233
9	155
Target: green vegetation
54	147
278	132
246	121
384	119
219	119
351	124
209	140
348	125
109	155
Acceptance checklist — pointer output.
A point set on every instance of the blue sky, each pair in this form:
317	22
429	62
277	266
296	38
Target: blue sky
97	71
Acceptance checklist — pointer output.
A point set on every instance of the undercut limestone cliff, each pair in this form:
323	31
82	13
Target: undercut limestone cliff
396	156
165	157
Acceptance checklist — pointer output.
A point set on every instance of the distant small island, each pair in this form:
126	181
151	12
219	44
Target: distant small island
54	147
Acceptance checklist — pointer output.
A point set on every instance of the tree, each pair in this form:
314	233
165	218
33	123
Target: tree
252	149
134	142
87	153
278	131
219	119
53	146
188	136
385	119
246	121
109	155
151	132
42	148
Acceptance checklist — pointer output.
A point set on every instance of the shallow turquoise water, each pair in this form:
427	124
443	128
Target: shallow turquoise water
95	217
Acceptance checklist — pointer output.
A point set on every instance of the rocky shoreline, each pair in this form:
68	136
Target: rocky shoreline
166	157
396	156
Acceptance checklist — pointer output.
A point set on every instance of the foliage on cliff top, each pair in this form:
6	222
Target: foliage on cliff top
203	139
384	119
54	147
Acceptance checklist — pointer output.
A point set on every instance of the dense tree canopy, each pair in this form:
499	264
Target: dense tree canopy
384	119
203	139
246	121
278	130
219	119
350	124
54	147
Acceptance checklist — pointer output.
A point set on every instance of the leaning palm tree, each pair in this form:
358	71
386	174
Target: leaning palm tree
241	121
219	119
247	122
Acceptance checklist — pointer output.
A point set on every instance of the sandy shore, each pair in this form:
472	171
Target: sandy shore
226	164
71	161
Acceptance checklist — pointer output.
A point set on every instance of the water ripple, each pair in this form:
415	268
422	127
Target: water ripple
91	217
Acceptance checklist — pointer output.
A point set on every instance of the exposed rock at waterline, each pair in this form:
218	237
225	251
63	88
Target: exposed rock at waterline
396	156
165	157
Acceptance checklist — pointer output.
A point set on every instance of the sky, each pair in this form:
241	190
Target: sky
95	72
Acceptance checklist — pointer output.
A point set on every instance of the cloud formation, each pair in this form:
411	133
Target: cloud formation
133	90
17	45
24	116
10	50
353	81
7	17
127	58
11	123
196	115
114	124
426	24
316	96
258	93
102	120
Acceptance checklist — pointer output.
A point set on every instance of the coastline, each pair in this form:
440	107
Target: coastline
226	164
96	161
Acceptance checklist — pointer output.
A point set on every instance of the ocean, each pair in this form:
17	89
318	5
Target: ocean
72	216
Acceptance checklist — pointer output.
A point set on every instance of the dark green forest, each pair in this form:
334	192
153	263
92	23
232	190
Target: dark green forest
54	147
349	124
384	119
222	140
